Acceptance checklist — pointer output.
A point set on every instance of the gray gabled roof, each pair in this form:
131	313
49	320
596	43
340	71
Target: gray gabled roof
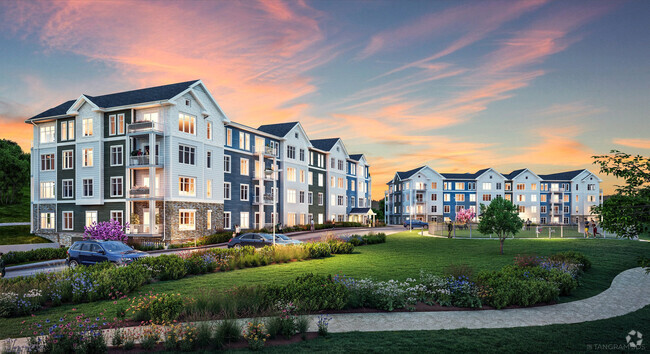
561	176
150	94
324	144
279	129
464	175
514	173
360	211
409	173
356	157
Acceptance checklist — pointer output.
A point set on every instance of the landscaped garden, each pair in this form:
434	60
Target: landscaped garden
462	273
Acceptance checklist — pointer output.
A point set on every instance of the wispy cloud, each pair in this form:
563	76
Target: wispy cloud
635	143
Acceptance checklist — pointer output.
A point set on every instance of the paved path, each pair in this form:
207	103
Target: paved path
14	224
627	293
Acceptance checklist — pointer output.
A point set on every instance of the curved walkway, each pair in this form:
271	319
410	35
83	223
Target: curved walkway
627	293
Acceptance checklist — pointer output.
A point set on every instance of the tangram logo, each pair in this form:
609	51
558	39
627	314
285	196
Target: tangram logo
634	339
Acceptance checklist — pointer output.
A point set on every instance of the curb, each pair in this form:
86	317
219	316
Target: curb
52	262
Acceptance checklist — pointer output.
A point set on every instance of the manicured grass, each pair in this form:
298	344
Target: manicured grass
598	335
555	232
18	212
16	235
402	256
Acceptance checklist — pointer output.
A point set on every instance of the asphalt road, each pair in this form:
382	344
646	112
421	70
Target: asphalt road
57	266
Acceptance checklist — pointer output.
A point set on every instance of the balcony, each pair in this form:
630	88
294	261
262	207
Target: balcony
139	229
144	127
261	175
145	161
267	151
266	199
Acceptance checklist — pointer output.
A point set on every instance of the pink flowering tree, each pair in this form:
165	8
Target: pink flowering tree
107	230
465	215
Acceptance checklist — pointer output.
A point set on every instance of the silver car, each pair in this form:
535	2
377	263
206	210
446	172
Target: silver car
285	240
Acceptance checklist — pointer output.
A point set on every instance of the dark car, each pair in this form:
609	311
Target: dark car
416	223
251	239
92	252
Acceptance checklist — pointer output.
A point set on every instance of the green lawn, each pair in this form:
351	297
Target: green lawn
581	337
402	256
16	212
16	235
555	232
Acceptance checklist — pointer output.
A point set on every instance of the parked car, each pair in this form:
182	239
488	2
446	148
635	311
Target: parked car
416	224
256	240
93	251
285	240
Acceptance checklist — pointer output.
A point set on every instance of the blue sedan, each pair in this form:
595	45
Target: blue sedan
91	252
416	224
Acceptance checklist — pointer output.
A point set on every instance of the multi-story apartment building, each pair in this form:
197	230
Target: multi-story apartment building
139	156
360	197
336	209
167	160
560	198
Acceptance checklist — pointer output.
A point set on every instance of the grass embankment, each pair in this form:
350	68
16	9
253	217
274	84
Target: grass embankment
18	212
16	235
402	256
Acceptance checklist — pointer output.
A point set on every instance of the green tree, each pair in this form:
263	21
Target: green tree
380	210
627	213
501	218
14	171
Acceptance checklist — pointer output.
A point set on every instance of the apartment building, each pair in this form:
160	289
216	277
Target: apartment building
560	198
167	160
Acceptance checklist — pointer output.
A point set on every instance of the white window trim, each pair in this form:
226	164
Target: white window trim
83	127
83	157
64	159
111	186
92	190
183	193
248	195
63	213
117	211
248	167
86	216
62	186
111	155
229	163
112	121
186	227
229	225
229	189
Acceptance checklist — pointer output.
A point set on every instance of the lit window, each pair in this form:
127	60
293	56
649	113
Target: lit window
186	186
291	196
87	157
68	160
186	123
291	174
47	162
47	220
228	137
47	190
243	167
186	219
209	131
87	126
208	187
91	218
48	134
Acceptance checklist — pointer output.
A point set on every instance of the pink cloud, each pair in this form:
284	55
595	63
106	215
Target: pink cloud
635	143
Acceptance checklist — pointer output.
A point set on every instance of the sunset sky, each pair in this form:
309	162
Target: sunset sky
458	85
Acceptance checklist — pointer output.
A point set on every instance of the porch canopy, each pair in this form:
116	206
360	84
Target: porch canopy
362	215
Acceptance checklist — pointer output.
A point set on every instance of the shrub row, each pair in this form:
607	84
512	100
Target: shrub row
39	254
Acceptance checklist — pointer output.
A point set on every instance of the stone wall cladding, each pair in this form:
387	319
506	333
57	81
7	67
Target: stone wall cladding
49	234
172	232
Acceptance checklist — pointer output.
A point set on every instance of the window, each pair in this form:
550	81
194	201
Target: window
291	196
291	152
244	220
67	188
186	123
209	219
186	186
522	209
542	220
117	215
533	186
339	200
186	154
498	186
244	141
310	178
301	199
542	209
117	184
117	155
341	183
302	176
434	185
542	198
353	185
591	187
447	197
460	197
566	198
487	186
434	197
87	126
302	154
508	186
226	220
112	125
87	157
67	218
291	174
226	163
208	189
533	198
487	197
64	131
187	219
447	209
320	199
591	198
460	186
521	198
47	162
566	209
533	209
47	190
208	131
521	186
208	159
332	163
310	198
320	179
341	166
243	192
150	117
243	167
91	218
434	209
226	190
228	137
48	134
87	184
47	220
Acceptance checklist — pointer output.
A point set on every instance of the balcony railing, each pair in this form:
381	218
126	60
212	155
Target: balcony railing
135	229
145	127
262	175
266	150
266	199
145	160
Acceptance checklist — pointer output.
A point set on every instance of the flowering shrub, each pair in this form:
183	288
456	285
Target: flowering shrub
465	215
164	267
309	292
181	336
199	262
66	335
323	325
106	230
255	335
527	261
287	317
157	308
572	257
